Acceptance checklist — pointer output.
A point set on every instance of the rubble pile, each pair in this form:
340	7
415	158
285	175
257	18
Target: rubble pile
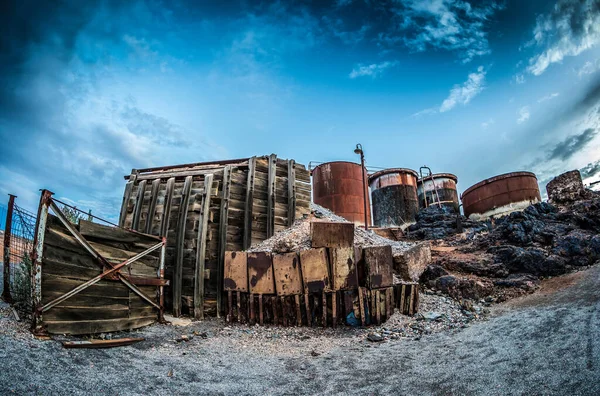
298	238
438	222
507	257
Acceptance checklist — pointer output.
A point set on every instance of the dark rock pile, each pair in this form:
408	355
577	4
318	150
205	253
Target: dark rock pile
438	222
517	250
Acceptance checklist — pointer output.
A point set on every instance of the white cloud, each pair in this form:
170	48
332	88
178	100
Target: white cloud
488	123
463	94
571	28
548	97
453	25
373	70
589	68
523	114
419	114
520	78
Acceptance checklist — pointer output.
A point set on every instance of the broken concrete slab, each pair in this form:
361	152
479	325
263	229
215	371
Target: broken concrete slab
411	264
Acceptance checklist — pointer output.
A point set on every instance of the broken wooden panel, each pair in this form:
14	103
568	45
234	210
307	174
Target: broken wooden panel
378	266
343	268
288	279
331	234
260	273
315	270
236	272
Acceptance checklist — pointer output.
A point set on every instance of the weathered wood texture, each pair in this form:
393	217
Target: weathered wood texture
331	234
255	199
378	262
108	305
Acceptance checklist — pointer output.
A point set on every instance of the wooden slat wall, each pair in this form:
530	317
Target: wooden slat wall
247	208
107	305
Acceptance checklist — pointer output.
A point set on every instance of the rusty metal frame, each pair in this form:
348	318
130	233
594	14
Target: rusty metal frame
110	271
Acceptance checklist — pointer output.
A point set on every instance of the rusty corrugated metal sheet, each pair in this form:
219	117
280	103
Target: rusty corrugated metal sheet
394	193
498	191
338	186
445	184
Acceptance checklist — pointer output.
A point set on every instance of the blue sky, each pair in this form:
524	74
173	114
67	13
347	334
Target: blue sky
90	90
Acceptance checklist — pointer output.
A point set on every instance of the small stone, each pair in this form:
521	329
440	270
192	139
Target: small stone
374	337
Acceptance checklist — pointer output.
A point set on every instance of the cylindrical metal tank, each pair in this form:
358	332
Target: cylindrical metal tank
445	184
338	186
501	195
394	194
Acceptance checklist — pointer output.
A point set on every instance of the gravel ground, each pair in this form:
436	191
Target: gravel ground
545	343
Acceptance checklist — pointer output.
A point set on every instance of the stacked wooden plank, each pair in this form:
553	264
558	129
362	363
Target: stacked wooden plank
331	283
206	209
108	305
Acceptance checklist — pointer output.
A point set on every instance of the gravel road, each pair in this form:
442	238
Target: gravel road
545	343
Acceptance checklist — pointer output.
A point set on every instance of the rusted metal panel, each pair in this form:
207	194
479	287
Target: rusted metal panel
331	234
444	183
236	272
260	273
378	266
501	194
343	268
338	186
394	193
288	279
315	270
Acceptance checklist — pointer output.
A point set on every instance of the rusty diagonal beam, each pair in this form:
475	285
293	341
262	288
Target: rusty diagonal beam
98	278
70	226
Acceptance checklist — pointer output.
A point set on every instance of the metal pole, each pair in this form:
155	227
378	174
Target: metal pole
6	296
362	163
36	259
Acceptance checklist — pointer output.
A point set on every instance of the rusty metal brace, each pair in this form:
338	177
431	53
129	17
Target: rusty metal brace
97	255
98	278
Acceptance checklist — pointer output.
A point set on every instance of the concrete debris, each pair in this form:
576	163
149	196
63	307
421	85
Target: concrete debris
298	237
567	187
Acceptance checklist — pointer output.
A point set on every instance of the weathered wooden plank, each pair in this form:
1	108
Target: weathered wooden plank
288	279
224	221
331	234
98	326
126	197
343	268
110	233
166	214
200	266
260	273
139	201
236	272
271	196
291	192
177	276
315	270
70	313
152	206
379	266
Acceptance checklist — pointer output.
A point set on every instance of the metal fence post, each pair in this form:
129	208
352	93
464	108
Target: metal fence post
6	296
38	250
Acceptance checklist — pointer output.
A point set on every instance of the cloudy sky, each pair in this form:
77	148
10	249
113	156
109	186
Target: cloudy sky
90	90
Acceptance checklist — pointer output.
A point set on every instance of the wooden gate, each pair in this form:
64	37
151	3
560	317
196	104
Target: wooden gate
91	278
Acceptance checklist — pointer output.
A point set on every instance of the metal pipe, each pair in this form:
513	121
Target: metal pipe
359	150
36	259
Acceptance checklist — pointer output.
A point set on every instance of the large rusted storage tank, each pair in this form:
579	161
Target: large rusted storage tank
501	195
394	194
445	184
338	186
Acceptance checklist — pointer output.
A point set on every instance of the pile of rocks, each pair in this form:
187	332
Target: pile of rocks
298	238
438	222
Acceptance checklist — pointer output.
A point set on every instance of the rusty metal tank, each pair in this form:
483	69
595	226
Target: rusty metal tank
394	194
501	195
338	186
445	184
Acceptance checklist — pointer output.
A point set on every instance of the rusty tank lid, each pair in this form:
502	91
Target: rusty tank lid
333	162
380	173
496	178
441	175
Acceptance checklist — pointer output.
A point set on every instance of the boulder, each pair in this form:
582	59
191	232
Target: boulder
566	188
411	264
